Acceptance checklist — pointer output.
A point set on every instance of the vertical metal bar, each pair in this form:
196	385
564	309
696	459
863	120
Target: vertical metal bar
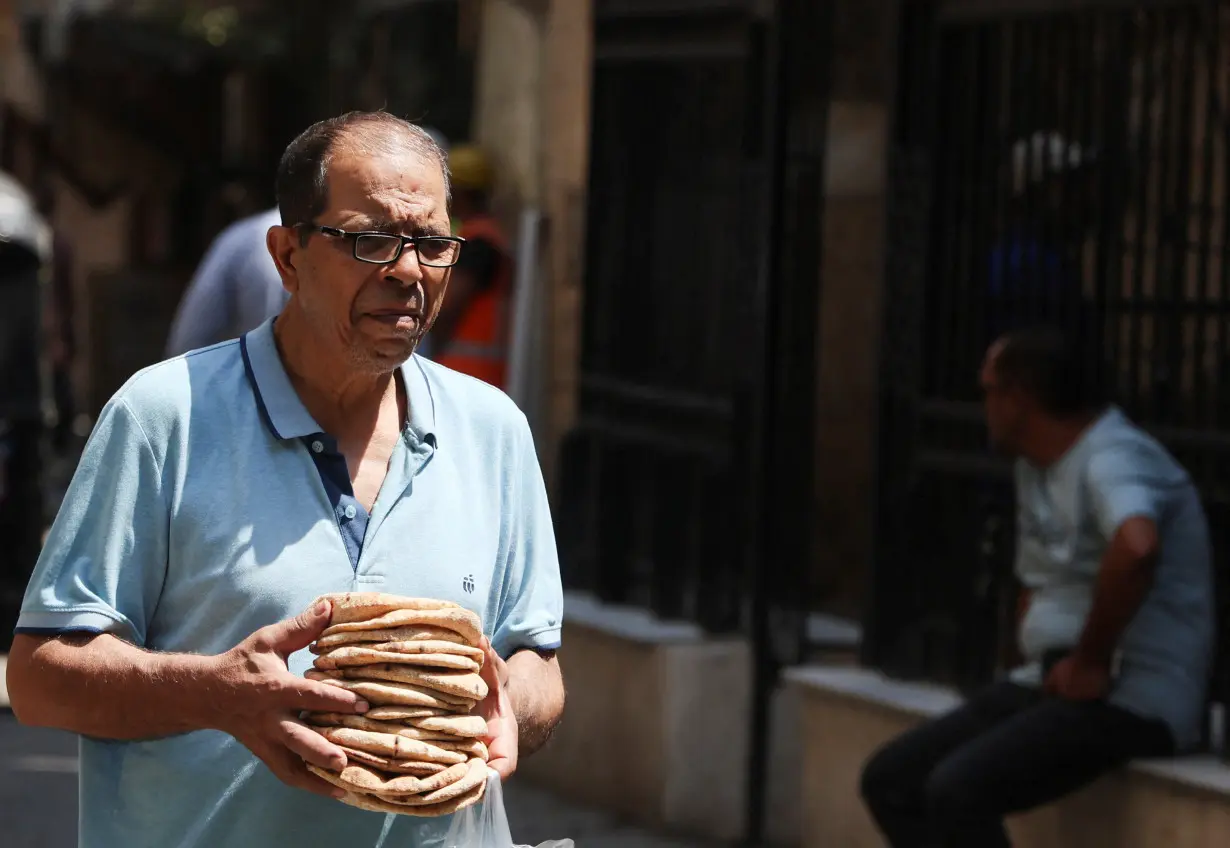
1144	167
1205	406
939	302
1066	292
774	31
1034	133
1172	228
997	266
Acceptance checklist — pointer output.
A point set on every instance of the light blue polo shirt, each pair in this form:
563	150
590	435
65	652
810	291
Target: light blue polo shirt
1067	515
209	504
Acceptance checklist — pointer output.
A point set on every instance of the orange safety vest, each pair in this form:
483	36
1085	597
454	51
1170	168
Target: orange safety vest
479	346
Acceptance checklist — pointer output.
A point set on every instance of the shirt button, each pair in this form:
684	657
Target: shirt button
351	512
318	446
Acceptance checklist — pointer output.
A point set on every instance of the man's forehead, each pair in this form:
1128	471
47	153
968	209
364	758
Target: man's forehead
388	188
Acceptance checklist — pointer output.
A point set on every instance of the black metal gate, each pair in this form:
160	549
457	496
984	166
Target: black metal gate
1066	161
686	482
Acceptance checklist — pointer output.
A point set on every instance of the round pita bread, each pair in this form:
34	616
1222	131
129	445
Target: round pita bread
390	745
361	606
450	686
459	620
359	722
363	779
434	636
474	748
475	776
412	767
373	804
464	726
400	713
381	694
351	656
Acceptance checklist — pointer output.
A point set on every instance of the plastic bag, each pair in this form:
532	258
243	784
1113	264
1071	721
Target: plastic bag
485	824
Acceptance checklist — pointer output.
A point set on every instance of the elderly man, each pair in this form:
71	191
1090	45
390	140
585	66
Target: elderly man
224	490
1117	616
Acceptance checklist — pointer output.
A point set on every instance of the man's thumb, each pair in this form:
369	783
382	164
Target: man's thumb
297	633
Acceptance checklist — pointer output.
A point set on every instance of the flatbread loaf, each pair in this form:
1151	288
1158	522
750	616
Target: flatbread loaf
350	656
413	767
364	779
412	635
359	722
476	775
475	748
396	712
450	686
459	620
465	726
390	745
381	694
373	804
361	606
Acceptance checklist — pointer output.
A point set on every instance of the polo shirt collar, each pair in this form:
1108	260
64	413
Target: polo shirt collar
284	413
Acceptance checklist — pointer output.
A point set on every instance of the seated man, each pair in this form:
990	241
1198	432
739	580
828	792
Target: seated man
1117	616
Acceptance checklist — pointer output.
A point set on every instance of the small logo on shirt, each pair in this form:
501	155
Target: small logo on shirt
467	583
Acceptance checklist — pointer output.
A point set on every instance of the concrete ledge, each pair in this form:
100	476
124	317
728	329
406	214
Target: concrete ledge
656	726
846	713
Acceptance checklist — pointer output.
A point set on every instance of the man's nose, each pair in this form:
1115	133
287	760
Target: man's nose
407	270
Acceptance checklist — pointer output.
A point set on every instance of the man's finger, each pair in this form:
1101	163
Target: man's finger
293	772
295	634
315	696
502	766
494	673
311	747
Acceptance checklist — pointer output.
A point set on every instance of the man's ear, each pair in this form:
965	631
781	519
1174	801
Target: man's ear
283	244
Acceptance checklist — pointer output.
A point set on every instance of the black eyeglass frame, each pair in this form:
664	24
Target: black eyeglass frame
336	232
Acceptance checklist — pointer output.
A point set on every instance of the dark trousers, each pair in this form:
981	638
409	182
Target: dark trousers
949	783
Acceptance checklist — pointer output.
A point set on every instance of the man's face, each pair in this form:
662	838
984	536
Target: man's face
376	314
1004	406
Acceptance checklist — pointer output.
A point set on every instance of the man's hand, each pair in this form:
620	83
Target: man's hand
497	709
1074	679
259	701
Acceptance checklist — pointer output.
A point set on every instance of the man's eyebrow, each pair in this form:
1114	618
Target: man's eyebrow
363	222
385	225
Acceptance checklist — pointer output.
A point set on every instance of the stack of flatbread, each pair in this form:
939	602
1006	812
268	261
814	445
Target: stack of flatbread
417	750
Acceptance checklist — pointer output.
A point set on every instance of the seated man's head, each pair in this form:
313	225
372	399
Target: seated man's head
348	189
1035	383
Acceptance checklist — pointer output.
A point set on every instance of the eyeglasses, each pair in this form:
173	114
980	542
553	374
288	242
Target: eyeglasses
386	248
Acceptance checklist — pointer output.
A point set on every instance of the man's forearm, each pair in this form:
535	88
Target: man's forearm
536	689
104	687
1124	579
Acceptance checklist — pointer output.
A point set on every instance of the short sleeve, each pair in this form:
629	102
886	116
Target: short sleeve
104	562
531	607
1124	482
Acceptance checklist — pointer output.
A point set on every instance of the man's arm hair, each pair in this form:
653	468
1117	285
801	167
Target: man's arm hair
536	689
100	686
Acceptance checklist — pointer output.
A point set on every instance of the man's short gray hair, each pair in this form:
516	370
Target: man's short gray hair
302	181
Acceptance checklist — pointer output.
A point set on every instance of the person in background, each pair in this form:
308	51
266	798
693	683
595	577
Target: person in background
471	334
235	289
58	319
1116	621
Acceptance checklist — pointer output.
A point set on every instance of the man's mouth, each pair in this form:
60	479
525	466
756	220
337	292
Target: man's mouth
401	318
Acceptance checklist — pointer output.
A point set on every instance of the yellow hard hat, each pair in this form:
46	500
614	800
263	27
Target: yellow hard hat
469	167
